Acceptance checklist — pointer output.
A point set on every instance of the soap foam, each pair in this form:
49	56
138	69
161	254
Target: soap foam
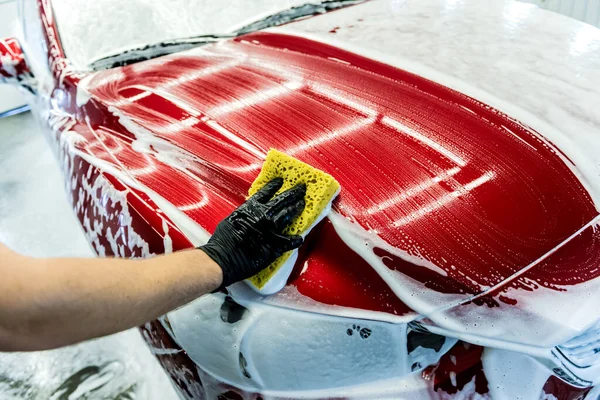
356	238
110	26
363	242
68	150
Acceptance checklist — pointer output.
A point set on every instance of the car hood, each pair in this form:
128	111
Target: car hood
451	211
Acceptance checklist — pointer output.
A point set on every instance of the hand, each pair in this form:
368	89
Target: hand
251	238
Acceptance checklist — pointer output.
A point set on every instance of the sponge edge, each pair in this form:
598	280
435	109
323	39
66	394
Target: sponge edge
321	190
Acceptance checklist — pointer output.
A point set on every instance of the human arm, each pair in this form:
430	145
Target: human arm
48	303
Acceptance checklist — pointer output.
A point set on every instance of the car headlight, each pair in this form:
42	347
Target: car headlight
578	360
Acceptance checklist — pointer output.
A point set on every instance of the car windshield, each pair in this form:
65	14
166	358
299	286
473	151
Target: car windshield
100	29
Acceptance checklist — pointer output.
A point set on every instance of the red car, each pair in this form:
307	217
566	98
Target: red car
461	259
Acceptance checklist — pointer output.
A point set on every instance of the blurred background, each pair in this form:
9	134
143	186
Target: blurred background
10	98
583	10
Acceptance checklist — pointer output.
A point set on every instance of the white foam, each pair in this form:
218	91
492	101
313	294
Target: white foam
527	376
292	354
541	319
106	27
289	297
211	343
68	140
83	95
9	64
411	292
167	241
170	155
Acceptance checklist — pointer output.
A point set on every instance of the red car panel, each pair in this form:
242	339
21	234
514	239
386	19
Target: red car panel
446	189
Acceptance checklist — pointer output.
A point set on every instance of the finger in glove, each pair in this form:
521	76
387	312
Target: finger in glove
289	243
267	192
287	199
288	214
251	238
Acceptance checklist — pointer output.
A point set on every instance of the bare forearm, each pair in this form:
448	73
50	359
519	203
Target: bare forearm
56	302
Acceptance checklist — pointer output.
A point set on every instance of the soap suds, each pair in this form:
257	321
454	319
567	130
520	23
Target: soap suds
502	367
109	26
96	230
356	362
9	65
364	242
83	96
154	137
184	158
88	191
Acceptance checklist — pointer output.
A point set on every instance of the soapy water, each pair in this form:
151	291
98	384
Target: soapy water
190	163
36	219
407	238
188	119
119	26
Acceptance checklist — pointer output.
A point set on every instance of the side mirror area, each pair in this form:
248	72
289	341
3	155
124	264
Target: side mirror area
13	67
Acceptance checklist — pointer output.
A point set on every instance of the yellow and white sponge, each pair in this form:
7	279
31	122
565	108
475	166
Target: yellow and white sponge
321	190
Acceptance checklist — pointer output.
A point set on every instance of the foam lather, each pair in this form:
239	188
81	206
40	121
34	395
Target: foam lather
321	189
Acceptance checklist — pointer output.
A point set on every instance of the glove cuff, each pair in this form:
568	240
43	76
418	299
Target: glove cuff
215	255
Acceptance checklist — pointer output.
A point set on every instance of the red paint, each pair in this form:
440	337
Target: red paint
100	209
13	67
464	361
571	263
339	269
563	391
483	221
59	64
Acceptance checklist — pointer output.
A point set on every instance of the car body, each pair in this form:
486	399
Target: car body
464	240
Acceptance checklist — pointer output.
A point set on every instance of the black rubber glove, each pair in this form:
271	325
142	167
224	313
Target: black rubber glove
251	238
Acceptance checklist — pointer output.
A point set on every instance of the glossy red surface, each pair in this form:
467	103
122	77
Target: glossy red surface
563	391
431	171
570	263
339	269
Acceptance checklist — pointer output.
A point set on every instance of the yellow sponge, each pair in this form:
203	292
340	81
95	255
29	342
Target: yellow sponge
321	189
